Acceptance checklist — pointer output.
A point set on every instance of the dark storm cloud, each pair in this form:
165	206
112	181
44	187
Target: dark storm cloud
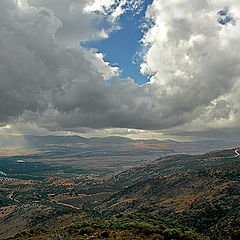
48	80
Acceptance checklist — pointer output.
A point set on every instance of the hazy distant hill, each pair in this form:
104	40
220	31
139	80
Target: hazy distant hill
100	155
131	146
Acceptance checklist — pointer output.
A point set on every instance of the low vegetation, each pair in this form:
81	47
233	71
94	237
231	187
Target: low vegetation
131	226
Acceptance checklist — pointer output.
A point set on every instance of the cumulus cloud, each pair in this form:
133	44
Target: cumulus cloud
193	59
114	8
48	80
77	25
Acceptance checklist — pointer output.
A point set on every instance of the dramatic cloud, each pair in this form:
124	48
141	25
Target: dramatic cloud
193	59
77	25
191	53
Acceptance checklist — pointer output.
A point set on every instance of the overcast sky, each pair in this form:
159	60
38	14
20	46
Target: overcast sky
161	68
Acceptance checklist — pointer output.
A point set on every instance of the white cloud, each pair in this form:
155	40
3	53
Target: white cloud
193	58
77	24
99	5
97	59
114	8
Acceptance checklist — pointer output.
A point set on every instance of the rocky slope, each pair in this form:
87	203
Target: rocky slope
197	191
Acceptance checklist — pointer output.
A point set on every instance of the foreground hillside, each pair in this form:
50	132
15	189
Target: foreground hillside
134	226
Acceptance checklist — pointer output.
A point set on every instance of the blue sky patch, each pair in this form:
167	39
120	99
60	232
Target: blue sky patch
122	47
225	17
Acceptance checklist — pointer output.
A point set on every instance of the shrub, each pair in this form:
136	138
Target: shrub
172	234
104	234
236	235
156	236
87	230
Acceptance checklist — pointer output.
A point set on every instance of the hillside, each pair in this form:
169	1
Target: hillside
200	192
196	195
173	164
129	227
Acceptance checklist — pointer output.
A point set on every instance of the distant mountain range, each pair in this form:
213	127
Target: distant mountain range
73	144
102	155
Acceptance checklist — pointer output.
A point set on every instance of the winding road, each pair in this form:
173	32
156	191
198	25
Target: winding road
237	153
65	204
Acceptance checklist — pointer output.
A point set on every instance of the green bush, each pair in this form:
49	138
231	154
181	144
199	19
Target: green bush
72	230
104	234
172	234
156	236
236	235
87	230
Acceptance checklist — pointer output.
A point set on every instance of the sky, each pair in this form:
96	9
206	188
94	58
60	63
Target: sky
127	54
141	69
